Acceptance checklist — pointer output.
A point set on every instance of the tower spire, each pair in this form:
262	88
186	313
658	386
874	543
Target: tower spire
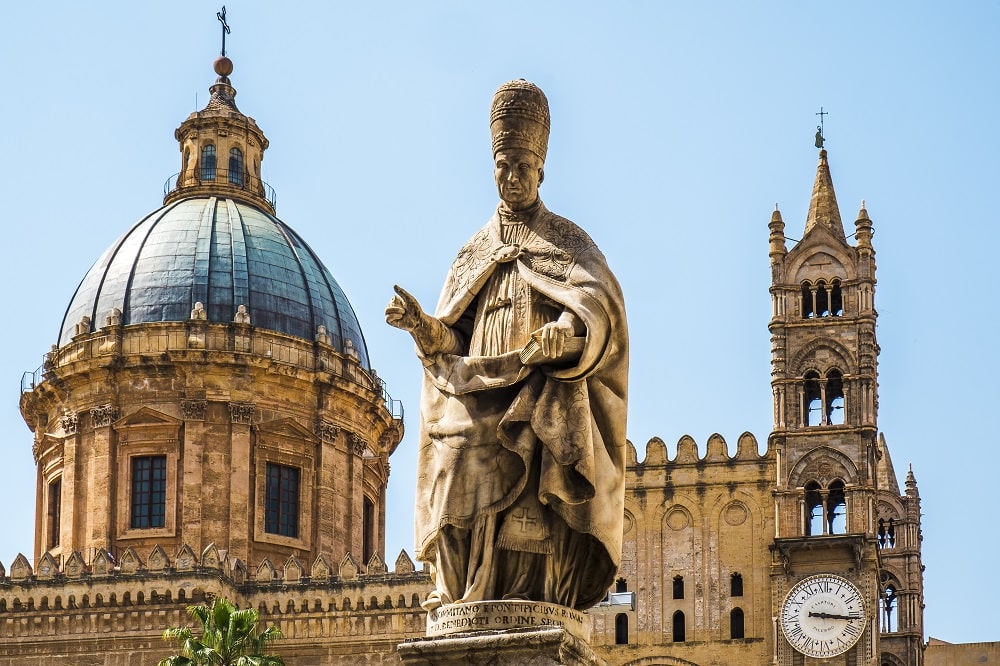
823	210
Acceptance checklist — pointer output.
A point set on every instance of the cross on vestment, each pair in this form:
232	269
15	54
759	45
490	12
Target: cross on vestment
524	518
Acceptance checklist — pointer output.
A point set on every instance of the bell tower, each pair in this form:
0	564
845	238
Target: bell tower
834	475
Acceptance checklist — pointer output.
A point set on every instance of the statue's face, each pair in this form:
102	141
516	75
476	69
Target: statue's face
518	173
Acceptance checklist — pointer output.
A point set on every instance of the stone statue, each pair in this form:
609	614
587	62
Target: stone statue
521	465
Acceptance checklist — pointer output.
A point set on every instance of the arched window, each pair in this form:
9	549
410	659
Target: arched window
678	587
736	623
886	533
736	585
208	162
236	166
822	299
814	509
887	607
621	629
835	408
836	509
678	627
621	585
808	307
813	400
836	300
824	399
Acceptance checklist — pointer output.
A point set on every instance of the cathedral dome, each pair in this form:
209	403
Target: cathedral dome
222	253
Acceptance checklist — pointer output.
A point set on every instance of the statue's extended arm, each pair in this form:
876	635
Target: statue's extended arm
431	335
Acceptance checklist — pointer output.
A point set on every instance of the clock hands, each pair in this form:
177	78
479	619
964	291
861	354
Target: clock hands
834	616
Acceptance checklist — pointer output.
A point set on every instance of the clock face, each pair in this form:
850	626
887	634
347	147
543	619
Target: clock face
823	616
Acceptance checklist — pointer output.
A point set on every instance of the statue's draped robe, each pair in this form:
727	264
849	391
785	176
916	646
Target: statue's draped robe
520	487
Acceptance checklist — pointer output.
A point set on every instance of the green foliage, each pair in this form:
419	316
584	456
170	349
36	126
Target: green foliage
228	638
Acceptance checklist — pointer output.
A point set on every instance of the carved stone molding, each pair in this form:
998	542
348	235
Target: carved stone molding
242	412
193	410
327	431
69	422
103	416
358	444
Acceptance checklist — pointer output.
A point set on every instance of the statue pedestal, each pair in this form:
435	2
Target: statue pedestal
545	646
501	633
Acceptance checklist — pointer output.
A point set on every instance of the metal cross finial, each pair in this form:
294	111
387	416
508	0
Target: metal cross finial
225	27
820	137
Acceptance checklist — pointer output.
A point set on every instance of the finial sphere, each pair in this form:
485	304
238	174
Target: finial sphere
223	66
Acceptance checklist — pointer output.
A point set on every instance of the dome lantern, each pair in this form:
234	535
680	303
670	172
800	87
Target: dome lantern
221	149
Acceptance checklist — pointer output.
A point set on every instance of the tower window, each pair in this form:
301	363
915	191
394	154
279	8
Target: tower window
621	629
814	399
836	300
149	491
208	162
54	511
678	627
887	608
835	398
886	533
236	166
808	307
621	585
281	500
836	509
822	299
814	505
824	399
678	587
736	585
736	623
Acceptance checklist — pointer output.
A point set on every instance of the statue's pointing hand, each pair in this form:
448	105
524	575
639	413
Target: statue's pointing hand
404	311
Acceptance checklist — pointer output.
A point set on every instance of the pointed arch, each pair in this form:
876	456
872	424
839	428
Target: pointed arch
809	358
823	464
818	257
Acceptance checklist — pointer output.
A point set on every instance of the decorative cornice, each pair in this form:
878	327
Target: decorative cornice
242	412
194	410
327	431
69	422
358	444
103	415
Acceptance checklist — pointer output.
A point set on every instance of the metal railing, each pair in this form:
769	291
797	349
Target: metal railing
32	378
224	178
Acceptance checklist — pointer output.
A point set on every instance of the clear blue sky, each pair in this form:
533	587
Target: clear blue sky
676	127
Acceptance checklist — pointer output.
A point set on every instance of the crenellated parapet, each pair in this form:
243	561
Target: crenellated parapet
136	598
686	453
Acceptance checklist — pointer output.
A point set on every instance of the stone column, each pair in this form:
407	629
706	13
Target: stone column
101	474
326	493
240	491
192	465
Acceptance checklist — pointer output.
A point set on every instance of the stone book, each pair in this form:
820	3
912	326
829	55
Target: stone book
572	348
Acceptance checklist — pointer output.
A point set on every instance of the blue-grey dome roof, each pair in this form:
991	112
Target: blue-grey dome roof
223	253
